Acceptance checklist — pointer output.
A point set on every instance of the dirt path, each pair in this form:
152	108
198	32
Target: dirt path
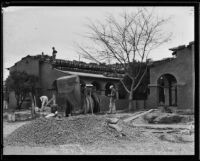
125	148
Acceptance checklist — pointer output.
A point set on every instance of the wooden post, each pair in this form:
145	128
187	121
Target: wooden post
35	102
54	98
32	105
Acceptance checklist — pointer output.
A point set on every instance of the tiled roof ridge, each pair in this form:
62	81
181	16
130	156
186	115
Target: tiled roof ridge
105	73
80	66
86	66
47	58
181	46
158	62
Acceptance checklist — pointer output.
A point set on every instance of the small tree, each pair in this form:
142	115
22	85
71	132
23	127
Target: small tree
22	84
127	40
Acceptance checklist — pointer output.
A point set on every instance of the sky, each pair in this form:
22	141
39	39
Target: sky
33	30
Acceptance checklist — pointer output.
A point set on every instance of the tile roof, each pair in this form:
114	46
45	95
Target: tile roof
87	74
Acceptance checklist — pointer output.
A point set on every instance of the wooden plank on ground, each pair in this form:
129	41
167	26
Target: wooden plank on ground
139	115
161	126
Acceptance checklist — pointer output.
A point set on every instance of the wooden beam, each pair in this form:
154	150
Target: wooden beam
139	115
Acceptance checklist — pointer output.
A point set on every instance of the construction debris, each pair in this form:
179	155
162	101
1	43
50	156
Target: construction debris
161	126
175	138
186	132
167	118
82	129
158	117
116	127
112	120
139	115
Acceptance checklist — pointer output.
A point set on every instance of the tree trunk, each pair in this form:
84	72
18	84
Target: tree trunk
17	99
18	106
21	101
130	99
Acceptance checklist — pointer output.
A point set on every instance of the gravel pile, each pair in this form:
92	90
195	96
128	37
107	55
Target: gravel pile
83	129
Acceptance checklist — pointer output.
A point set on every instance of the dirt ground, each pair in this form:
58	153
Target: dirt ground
155	146
125	148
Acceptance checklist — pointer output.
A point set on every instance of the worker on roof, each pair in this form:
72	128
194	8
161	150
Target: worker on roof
54	53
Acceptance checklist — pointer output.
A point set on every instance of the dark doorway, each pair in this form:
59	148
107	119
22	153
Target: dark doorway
167	90
96	85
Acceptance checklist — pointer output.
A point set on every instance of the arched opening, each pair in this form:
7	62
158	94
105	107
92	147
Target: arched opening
96	85
167	90
82	85
54	85
107	88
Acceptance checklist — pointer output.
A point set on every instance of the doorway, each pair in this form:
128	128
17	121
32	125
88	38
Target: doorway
167	90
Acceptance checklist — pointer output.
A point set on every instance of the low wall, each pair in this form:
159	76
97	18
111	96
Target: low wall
12	104
104	103
121	104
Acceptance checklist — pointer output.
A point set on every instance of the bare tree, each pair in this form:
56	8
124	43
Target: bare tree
127	40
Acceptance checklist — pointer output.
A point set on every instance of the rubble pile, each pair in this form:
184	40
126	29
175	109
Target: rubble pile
168	118
82	129
158	117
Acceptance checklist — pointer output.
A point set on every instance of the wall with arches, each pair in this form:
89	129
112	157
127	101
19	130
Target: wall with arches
182	68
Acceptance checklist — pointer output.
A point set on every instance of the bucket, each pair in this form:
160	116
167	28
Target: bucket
11	117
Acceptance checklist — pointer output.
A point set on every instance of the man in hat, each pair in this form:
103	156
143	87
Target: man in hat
113	97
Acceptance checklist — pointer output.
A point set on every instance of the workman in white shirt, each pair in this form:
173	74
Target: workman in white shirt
44	100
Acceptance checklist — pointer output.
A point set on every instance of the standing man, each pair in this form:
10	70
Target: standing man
113	97
44	100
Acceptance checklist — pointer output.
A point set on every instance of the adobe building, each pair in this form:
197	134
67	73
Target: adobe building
48	69
172	79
